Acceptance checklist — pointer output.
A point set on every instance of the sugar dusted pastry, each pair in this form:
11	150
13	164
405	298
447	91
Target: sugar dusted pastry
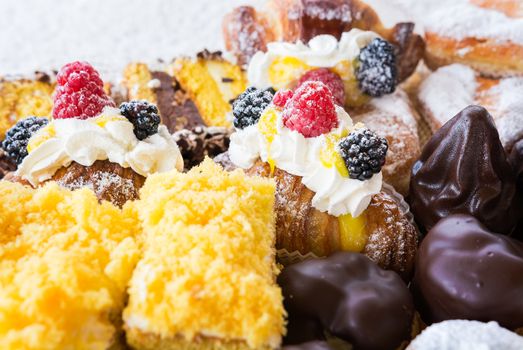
207	276
65	261
328	175
484	34
91	144
466	335
451	88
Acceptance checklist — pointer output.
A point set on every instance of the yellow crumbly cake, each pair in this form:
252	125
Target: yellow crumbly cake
22	98
212	82
136	79
65	261
207	276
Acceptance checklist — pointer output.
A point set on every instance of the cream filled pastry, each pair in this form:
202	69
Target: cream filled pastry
89	143
328	174
363	62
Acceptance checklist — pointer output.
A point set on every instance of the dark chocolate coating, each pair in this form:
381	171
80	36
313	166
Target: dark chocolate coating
516	159
312	345
351	297
463	271
463	169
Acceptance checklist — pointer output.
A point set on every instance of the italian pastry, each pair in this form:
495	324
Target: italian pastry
89	143
247	30
349	297
207	276
485	35
466	271
442	182
328	174
324	59
25	96
466	335
450	89
65	261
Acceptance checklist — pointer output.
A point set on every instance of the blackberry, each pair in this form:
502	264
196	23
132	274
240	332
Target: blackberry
376	72
364	153
17	138
248	107
143	115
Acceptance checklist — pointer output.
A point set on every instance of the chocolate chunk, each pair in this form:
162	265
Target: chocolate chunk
177	110
463	169
351	298
312	345
197	143
464	271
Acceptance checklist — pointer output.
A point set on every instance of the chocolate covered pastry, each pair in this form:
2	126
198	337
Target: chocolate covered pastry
351	298
465	271
329	193
463	169
247	30
311	345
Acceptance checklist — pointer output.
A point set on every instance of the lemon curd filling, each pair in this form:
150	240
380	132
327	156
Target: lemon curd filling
267	127
353	236
284	70
329	155
42	135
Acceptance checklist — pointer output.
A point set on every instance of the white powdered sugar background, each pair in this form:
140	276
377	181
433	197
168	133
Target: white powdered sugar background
40	34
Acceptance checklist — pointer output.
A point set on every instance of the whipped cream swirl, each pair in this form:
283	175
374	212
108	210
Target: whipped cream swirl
290	151
321	51
109	136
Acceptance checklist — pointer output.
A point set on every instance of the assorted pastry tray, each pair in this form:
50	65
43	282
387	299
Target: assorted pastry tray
327	182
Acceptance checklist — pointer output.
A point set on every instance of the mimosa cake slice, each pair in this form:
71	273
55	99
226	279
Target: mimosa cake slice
206	279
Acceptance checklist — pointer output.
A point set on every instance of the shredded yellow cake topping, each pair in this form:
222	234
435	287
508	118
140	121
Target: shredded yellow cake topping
208	265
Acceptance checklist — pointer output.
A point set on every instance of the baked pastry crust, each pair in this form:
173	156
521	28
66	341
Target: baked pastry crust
247	30
393	117
392	238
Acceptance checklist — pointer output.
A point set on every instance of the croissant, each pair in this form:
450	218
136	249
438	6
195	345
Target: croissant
389	238
247	30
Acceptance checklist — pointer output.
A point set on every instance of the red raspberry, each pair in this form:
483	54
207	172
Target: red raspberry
329	78
281	97
79	92
311	111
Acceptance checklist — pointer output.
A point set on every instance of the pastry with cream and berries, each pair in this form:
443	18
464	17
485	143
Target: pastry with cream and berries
360	71
328	175
247	30
90	143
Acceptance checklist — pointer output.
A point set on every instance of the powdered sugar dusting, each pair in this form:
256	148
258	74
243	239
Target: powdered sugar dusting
447	91
466	335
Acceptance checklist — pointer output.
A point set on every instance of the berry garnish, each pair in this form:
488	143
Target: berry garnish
329	78
79	92
17	138
144	117
311	110
248	107
376	72
281	97
364	153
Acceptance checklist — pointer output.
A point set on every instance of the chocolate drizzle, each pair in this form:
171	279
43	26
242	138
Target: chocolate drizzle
177	110
463	169
350	297
463	271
